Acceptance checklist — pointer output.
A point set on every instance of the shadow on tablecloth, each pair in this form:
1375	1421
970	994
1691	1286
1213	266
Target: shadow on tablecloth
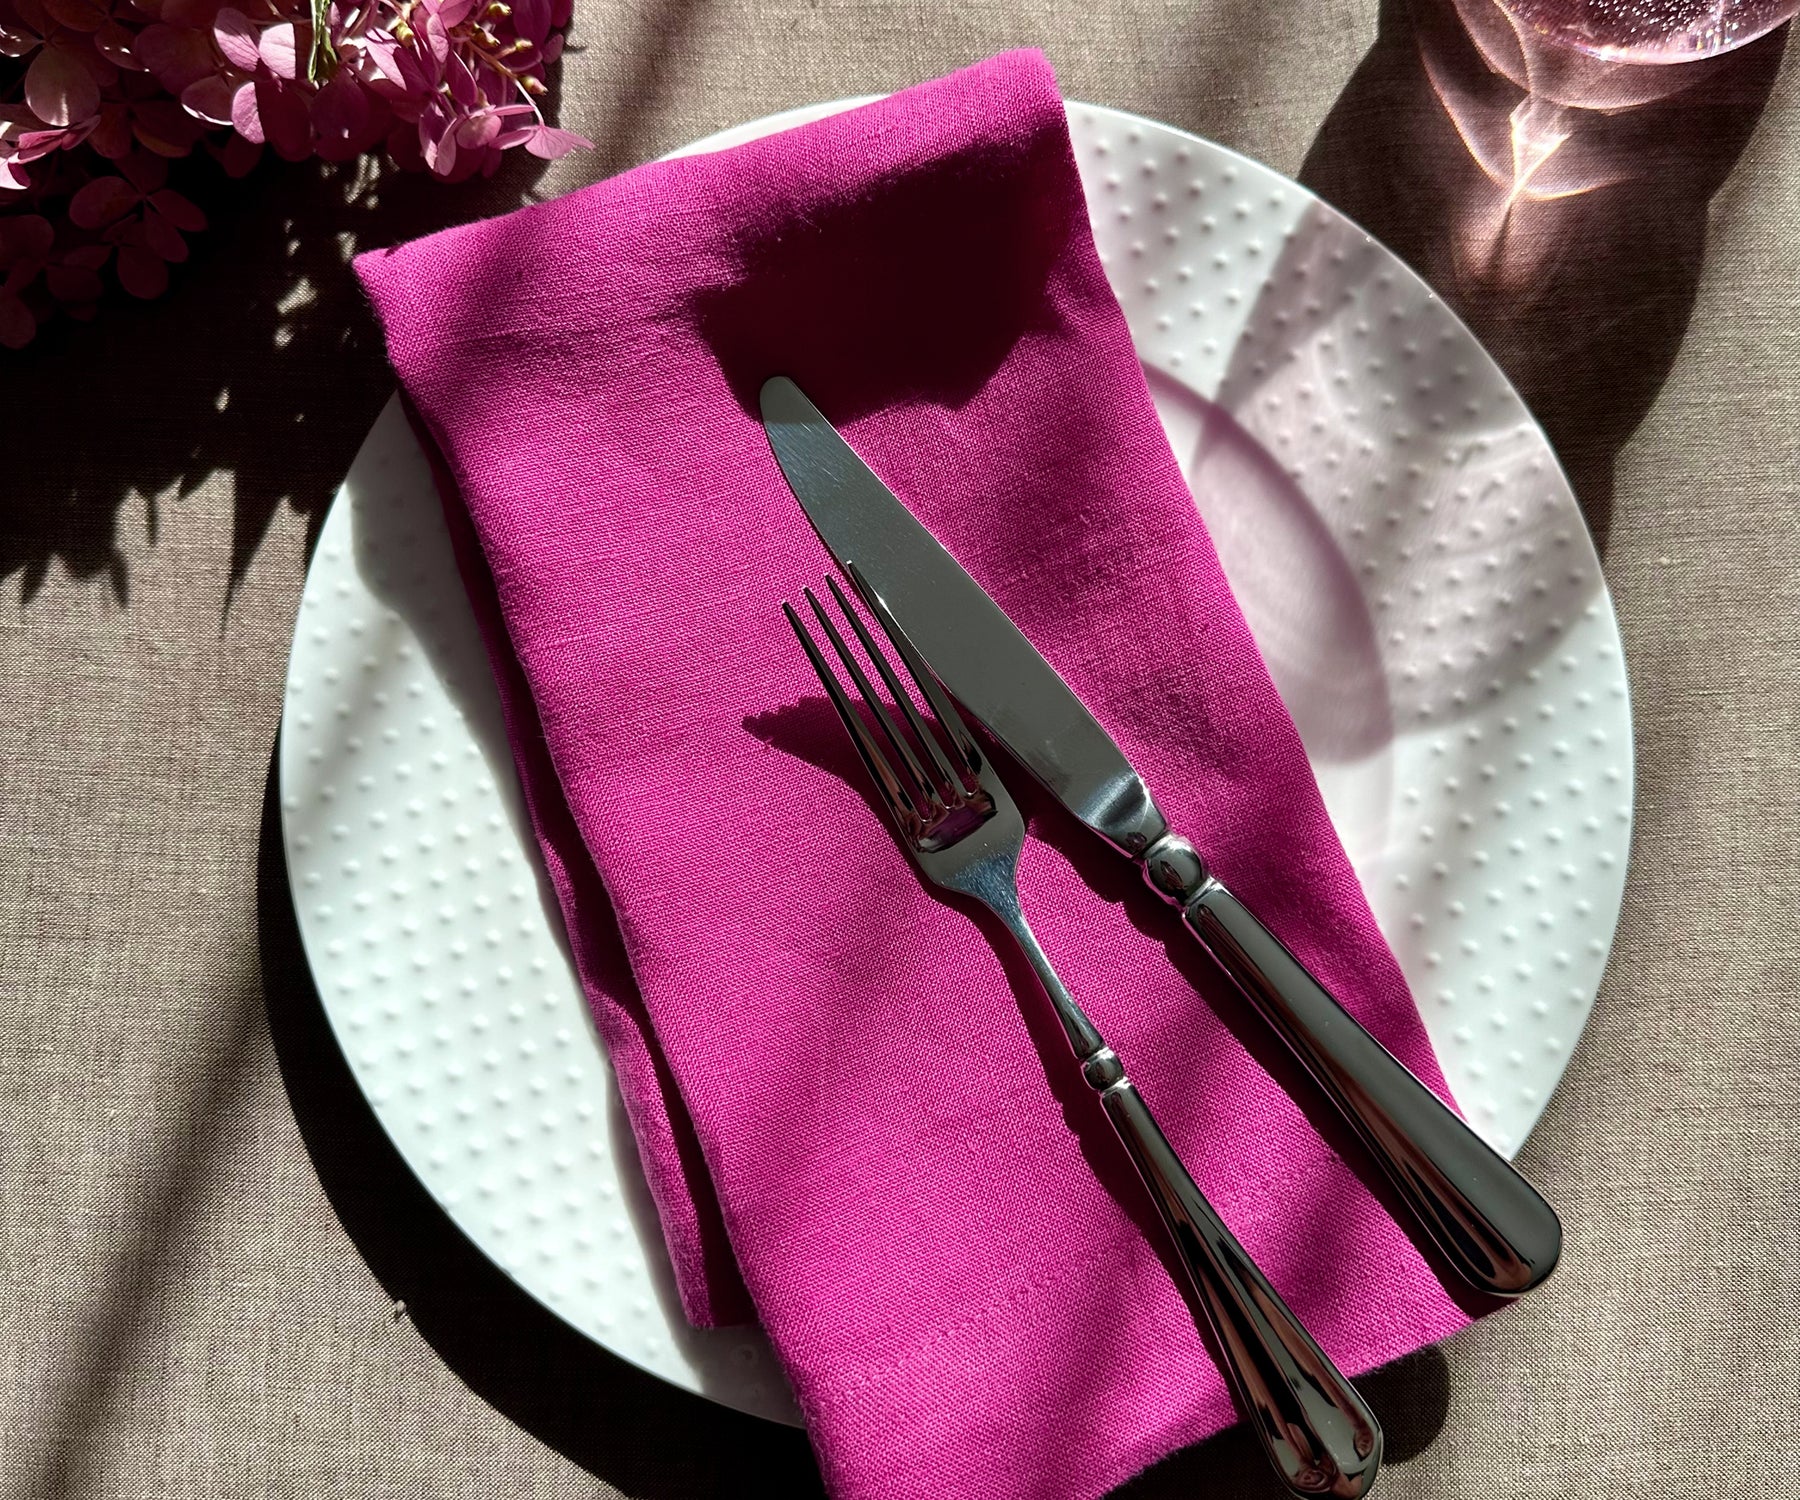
1557	203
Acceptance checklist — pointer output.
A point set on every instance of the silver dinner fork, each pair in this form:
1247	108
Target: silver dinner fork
963	830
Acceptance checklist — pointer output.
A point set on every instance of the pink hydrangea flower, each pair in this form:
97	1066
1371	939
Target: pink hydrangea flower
109	91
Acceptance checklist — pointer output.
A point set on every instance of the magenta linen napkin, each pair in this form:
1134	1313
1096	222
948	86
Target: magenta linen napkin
841	1087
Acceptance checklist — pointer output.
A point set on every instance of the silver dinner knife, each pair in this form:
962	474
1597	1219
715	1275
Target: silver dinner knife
1486	1219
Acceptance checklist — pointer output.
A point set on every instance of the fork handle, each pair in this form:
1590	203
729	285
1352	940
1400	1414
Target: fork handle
1491	1224
1314	1427
1318	1433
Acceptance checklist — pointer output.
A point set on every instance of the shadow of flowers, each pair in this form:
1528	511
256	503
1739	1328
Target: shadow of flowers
262	362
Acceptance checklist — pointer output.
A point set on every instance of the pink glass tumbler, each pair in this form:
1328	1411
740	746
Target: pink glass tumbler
1652	31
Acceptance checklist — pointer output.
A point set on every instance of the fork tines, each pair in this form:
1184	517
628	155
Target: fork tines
919	799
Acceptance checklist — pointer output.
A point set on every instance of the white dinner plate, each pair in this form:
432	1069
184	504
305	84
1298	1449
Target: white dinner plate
1410	559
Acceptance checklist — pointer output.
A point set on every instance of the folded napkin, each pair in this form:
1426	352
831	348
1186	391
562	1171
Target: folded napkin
845	1089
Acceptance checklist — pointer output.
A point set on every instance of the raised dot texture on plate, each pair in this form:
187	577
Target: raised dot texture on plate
1405	549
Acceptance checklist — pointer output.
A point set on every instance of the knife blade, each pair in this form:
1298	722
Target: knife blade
1491	1226
1018	694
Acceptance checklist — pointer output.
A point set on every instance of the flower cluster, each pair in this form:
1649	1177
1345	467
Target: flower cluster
98	96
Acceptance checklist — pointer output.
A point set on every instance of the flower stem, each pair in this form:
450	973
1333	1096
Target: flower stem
321	57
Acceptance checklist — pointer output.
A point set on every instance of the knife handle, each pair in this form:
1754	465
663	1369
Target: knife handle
1318	1432
1490	1223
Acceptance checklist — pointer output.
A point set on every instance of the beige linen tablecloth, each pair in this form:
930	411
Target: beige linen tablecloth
215	1277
